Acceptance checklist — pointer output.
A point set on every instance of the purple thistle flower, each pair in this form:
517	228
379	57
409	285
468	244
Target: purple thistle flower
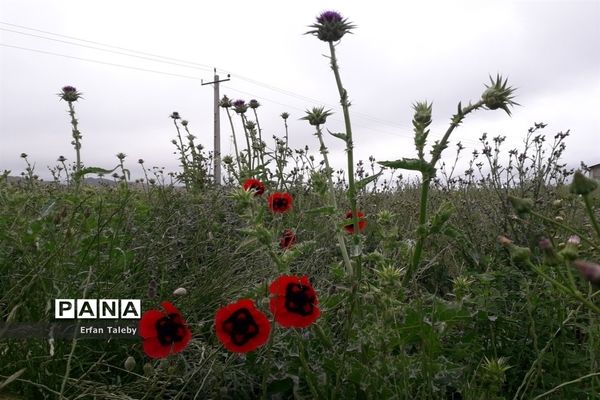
329	16
69	93
240	106
330	26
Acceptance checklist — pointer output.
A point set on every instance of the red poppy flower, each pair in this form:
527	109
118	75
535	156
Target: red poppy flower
241	327
254	184
362	222
294	302
164	332
280	202
287	240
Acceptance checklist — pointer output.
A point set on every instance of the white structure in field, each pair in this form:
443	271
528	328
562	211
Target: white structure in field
595	171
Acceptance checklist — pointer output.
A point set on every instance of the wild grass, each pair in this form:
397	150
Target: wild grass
426	303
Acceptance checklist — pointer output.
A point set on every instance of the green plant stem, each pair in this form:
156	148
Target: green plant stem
421	236
333	201
76	137
307	371
588	207
261	152
573	293
183	156
235	146
563	226
267	365
250	152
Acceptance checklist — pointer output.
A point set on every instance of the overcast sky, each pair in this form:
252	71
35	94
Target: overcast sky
400	52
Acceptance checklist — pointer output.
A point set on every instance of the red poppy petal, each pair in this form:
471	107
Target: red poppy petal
187	337
169	308
154	349
148	321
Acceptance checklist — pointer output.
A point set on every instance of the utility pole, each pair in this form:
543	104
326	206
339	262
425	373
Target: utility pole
217	115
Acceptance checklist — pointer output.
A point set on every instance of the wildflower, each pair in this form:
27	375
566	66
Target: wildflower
294	302
280	202
254	184
589	270
330	26
69	93
240	106
164	332
23	155
241	327
285	115
61	159
121	156
175	115
184	122
362	222
287	240
253	103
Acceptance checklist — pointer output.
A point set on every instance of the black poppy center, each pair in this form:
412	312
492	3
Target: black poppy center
280	203
241	327
170	329
299	299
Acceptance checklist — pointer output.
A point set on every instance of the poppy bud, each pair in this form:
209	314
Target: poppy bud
148	369
130	363
582	184
180	291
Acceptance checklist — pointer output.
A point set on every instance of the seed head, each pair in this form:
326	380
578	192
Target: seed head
330	26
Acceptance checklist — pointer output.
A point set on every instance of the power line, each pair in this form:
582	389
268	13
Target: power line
194	65
99	62
106	50
106	45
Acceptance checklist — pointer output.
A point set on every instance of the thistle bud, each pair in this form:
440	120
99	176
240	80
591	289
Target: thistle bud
121	156
497	95
130	363
184	122
422	114
225	102
285	115
582	184
318	116
253	104
589	270
521	206
570	251
175	115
